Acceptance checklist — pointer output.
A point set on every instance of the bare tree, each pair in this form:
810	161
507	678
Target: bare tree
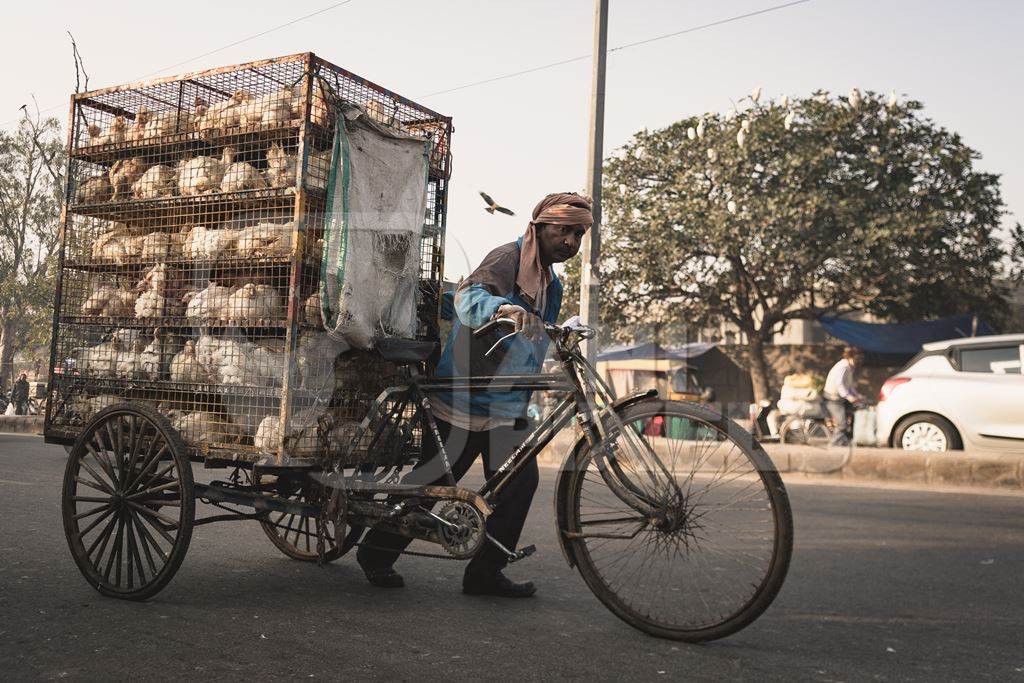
32	185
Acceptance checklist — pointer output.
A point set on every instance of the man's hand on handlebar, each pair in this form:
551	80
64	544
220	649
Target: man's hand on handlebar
527	323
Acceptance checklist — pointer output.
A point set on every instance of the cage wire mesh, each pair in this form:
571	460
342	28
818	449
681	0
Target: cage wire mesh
190	271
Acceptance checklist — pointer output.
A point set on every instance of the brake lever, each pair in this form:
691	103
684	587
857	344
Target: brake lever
498	343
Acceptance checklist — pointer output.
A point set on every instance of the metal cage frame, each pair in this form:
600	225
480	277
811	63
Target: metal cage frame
175	129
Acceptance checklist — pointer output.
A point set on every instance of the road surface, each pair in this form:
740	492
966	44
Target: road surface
884	584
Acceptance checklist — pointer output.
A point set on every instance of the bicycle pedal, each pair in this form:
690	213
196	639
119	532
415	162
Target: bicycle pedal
523	553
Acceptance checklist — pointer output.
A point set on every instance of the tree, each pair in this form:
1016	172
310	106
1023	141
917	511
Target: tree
797	209
32	161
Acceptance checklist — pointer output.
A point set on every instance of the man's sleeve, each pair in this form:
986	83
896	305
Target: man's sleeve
479	296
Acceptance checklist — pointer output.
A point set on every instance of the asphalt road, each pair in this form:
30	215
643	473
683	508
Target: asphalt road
885	584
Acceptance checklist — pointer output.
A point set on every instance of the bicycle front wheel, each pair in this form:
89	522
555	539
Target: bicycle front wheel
699	545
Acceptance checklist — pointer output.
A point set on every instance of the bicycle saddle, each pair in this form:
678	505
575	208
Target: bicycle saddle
406	351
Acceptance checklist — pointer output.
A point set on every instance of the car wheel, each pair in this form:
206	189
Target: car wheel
929	433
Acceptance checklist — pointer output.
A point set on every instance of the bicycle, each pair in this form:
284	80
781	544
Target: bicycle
676	518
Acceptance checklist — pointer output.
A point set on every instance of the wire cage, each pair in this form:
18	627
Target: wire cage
190	259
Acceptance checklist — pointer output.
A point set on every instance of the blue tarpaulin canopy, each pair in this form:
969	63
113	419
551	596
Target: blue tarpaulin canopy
903	338
653	351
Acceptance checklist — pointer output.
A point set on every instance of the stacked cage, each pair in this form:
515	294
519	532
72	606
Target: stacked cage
191	260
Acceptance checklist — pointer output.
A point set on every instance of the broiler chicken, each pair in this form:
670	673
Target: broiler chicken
129	363
137	131
311	310
118	245
114	133
153	302
319	170
213	118
95	190
185	367
123	174
265	239
208	304
167	123
161	245
203	175
253	303
272	109
280	167
206	243
239	175
158	181
202	427
109	301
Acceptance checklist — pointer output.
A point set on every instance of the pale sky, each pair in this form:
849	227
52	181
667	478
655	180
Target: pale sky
523	137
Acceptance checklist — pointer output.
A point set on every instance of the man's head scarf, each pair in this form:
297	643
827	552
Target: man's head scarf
560	208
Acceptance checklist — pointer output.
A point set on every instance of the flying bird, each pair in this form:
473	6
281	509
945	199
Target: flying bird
493	206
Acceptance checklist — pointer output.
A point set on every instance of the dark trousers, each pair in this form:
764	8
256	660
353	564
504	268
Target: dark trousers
509	508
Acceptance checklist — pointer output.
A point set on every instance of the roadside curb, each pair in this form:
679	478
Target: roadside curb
21	424
959	469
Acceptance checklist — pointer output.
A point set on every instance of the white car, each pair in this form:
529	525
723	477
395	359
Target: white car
960	393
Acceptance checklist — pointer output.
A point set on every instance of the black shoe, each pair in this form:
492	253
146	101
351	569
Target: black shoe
386	577
496	584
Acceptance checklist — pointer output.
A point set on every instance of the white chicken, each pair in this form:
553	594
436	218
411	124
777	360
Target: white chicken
311	310
114	133
240	363
99	360
152	357
158	181
214	118
265	239
185	367
167	123
208	304
272	109
201	427
161	245
153	302
209	243
117	245
123	174
129	361
319	170
95	190
137	131
253	303
109	301
239	175
202	175
280	167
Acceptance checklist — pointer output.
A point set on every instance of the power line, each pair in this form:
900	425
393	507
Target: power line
645	41
221	49
254	36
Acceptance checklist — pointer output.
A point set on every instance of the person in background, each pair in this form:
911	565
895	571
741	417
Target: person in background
19	395
841	393
515	281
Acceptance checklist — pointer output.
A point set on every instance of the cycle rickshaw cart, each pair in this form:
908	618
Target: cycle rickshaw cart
674	516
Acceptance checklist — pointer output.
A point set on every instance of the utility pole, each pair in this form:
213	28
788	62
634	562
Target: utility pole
589	273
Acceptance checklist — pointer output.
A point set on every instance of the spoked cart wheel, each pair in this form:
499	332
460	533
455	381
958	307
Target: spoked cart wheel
128	501
707	549
295	535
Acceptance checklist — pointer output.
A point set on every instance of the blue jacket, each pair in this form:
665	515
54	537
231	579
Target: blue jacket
477	299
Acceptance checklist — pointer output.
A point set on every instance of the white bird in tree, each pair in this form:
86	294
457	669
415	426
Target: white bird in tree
691	133
741	138
731	206
756	94
745	126
854	98
700	129
712	155
784	101
788	121
893	100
